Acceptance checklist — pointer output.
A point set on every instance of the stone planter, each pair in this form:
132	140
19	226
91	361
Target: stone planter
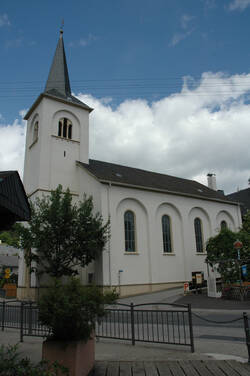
77	356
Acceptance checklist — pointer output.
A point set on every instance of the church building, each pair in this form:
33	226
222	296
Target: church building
159	223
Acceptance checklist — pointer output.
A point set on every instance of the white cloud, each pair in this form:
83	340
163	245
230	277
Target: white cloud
239	4
203	128
14	43
187	134
85	41
4	20
181	35
178	37
185	20
12	140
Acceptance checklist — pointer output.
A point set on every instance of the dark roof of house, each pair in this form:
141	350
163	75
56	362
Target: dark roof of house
243	197
123	175
14	205
58	84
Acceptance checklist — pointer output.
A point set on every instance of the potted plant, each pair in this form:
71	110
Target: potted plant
70	312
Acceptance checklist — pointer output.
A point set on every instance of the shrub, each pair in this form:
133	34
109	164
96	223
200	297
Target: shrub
70	311
11	364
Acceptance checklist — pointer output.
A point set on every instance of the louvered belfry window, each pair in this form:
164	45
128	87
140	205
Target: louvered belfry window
65	128
166	233
198	235
129	224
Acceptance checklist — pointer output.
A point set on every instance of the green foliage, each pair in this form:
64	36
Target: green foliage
220	250
70	311
11	364
244	233
61	235
11	237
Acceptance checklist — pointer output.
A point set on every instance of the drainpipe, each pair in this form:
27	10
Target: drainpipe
119	280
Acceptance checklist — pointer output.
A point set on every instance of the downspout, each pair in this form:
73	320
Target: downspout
109	247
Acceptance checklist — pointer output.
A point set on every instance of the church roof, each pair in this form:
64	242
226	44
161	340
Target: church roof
58	84
128	176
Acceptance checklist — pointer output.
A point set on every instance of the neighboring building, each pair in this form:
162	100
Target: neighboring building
10	262
7	250
243	197
14	205
159	223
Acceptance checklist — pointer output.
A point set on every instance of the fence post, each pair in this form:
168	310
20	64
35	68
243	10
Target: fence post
191	328
132	323
30	319
3	315
246	327
21	322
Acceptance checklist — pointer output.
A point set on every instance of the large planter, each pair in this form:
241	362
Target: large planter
77	356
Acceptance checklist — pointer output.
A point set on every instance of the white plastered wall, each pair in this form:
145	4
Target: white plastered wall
51	159
149	264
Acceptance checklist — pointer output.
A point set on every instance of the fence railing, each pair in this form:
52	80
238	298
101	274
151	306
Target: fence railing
135	323
158	323
169	324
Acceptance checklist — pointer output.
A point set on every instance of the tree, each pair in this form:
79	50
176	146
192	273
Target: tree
62	236
10	237
220	250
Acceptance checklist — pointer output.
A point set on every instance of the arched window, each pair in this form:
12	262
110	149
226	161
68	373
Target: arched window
60	129
223	225
70	131
65	128
198	235
35	132
166	233
129	225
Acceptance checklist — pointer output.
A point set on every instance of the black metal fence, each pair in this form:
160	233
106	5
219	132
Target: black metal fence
158	323
169	324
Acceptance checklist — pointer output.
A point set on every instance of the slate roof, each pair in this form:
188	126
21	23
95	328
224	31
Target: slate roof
134	177
14	205
58	75
243	197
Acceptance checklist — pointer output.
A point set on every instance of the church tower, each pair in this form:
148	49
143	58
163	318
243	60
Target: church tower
57	133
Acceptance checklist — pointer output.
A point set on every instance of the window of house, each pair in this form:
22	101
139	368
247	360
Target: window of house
166	233
65	128
129	225
223	225
198	235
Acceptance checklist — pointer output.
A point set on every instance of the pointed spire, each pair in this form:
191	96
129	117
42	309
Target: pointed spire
58	76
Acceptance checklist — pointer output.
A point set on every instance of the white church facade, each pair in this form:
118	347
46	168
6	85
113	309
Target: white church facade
159	223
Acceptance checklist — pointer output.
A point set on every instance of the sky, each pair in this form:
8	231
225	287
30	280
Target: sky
169	81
